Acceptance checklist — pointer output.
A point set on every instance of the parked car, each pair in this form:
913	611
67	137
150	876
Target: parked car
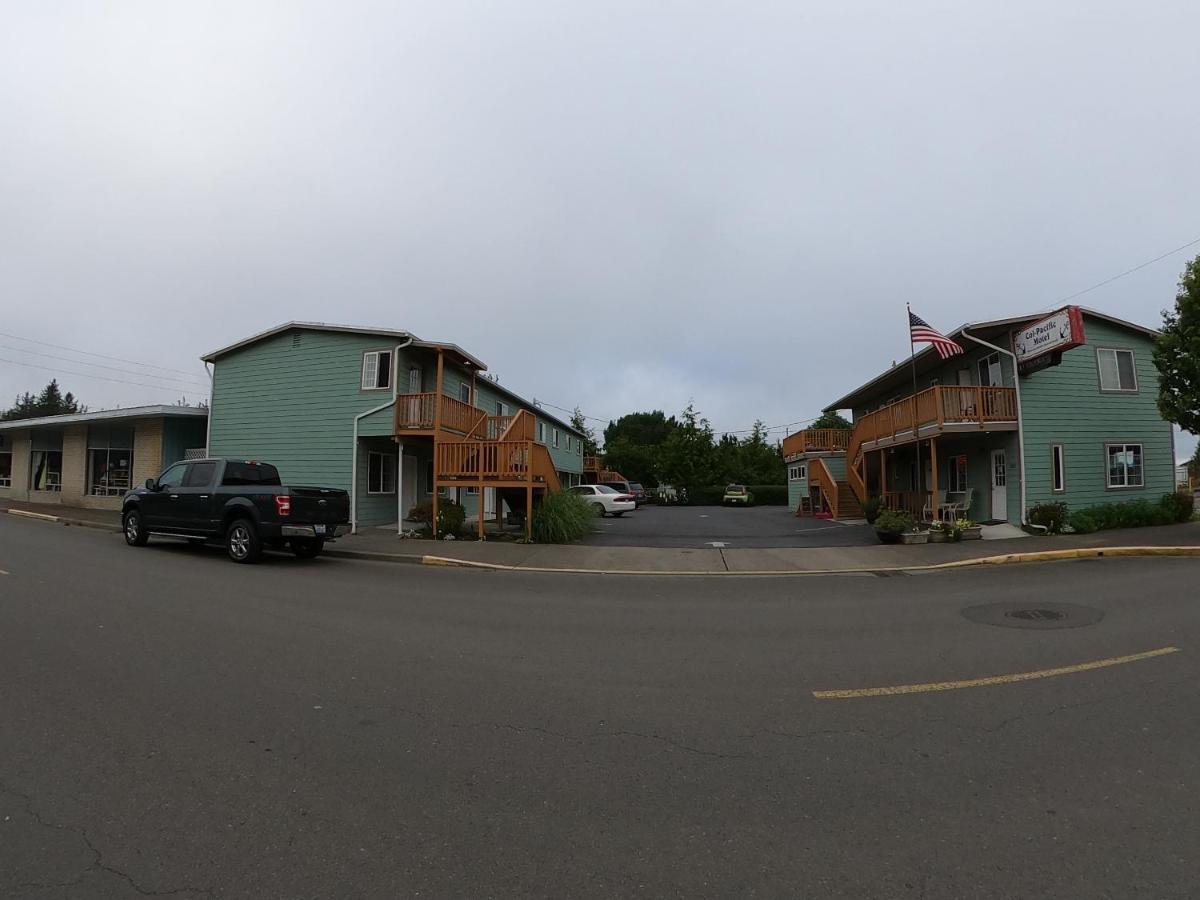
638	493
241	503
737	495
605	499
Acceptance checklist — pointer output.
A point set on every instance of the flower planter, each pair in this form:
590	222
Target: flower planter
974	533
939	537
914	537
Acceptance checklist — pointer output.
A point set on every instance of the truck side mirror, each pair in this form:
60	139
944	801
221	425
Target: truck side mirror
151	484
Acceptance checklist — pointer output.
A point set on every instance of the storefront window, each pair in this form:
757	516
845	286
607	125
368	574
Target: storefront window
5	468
110	461
46	470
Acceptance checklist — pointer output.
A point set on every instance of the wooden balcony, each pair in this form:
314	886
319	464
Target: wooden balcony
942	408
816	440
417	413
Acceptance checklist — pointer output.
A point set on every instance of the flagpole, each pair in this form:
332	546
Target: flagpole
912	354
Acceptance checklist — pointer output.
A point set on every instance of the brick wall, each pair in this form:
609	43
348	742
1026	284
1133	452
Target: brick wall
18	442
74	465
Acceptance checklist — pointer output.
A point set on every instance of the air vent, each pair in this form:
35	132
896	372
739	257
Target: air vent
295	340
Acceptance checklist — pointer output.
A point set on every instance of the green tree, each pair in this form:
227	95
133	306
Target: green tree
687	455
760	462
579	423
830	420
633	443
1177	354
50	402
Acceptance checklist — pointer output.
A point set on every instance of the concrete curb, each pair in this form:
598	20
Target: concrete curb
1000	560
64	520
26	514
411	559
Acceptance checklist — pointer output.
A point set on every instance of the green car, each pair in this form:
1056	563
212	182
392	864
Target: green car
737	495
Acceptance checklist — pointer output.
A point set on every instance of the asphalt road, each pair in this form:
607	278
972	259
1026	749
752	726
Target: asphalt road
747	527
175	724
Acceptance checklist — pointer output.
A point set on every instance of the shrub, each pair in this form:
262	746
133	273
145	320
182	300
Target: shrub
1178	506
1051	516
709	495
769	494
562	517
871	508
451	516
893	521
1131	514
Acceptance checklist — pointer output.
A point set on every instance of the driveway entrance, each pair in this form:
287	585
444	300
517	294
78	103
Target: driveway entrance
703	526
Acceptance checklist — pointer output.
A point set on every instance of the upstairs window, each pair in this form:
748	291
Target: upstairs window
541	432
377	370
798	472
1117	372
555	436
464	392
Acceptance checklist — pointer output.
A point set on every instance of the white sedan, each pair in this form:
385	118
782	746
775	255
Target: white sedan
604	499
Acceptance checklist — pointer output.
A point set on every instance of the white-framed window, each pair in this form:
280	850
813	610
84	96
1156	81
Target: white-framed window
1124	465
472	491
555	437
1058	469
541	432
377	370
990	373
568	443
45	470
798	471
381	473
464	392
957	482
1118	373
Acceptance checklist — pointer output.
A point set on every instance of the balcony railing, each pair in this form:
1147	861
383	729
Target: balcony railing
938	406
483	459
418	412
814	440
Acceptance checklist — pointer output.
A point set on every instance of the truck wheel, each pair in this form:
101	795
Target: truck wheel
242	542
135	532
307	548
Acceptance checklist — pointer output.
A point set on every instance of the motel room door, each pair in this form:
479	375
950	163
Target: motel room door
999	485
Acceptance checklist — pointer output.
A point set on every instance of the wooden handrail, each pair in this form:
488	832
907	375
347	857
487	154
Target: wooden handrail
819	474
415	412
483	459
812	440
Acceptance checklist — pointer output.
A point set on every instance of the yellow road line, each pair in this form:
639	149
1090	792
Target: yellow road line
991	679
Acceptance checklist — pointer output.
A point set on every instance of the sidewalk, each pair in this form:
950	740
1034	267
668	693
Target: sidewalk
382	545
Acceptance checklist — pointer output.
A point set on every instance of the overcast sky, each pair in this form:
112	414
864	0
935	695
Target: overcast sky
617	205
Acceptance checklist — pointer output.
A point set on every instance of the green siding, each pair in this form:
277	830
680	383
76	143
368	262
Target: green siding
294	405
797	488
1064	405
180	434
836	466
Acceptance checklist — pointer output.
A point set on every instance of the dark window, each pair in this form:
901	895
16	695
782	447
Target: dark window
239	474
200	474
173	477
1058	470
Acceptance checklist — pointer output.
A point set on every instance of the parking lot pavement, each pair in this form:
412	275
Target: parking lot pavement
702	526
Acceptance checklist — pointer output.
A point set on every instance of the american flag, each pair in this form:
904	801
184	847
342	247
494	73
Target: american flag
923	332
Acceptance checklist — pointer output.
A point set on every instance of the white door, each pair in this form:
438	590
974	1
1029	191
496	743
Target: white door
408	487
999	486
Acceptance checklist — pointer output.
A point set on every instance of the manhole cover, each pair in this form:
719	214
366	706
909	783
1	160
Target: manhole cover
1036	615
1043	616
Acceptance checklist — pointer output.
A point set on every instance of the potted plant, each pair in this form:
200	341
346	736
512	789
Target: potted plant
891	524
914	535
940	532
968	530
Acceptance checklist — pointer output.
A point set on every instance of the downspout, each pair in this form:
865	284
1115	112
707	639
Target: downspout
1020	416
354	453
212	390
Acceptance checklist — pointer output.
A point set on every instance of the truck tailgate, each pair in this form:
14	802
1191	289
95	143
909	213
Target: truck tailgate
319	506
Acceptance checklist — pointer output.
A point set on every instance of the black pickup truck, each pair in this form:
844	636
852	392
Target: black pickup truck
241	503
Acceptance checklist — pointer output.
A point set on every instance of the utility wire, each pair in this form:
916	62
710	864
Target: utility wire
1127	272
82	374
197	383
97	355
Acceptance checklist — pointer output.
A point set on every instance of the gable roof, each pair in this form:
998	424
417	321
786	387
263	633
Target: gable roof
461	355
927	359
